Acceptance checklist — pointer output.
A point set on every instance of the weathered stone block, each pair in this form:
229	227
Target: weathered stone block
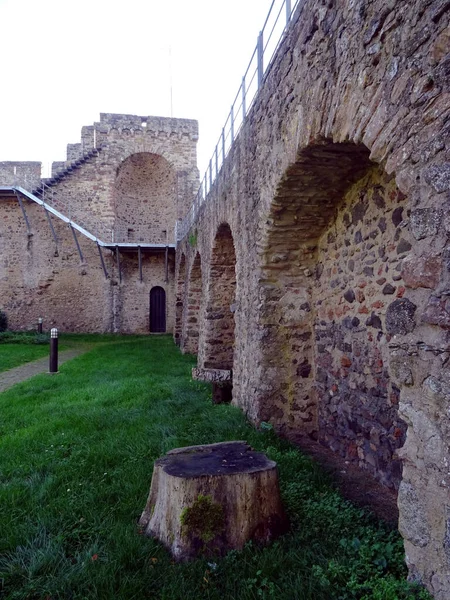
422	271
212	375
438	176
437	312
400	317
425	222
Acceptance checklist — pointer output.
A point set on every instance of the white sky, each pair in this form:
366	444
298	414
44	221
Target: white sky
63	63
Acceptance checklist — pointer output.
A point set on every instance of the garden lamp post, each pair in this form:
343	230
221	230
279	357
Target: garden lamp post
53	368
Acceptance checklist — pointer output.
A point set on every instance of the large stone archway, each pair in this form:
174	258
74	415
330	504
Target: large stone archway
332	284
145	199
179	301
217	348
194	302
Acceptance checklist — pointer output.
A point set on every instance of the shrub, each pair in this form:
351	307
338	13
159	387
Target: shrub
3	321
23	337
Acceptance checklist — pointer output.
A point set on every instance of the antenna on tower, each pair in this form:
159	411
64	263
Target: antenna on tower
170	81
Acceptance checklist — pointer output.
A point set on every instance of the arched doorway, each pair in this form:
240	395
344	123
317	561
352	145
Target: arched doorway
157	310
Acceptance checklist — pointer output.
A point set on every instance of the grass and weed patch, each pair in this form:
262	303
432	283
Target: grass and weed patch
20	347
14	355
76	458
24	337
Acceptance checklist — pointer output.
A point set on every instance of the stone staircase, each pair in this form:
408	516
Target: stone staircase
48	183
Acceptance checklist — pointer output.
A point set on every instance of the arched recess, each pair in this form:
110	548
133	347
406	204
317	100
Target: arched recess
332	275
194	299
218	351
179	302
157	310
145	201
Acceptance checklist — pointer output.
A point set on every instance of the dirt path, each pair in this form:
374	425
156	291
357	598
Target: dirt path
23	372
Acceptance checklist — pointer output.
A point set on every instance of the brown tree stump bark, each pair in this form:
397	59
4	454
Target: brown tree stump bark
206	500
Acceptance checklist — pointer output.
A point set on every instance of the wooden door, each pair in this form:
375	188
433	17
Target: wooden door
157	310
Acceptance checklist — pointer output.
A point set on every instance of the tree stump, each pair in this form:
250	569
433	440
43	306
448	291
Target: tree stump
206	500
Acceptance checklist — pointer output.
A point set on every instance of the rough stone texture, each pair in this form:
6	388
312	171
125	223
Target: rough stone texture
23	174
133	189
352	84
179	300
146	182
194	303
357	402
217	347
211	375
325	280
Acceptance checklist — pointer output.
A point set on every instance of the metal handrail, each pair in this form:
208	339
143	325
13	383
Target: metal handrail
260	61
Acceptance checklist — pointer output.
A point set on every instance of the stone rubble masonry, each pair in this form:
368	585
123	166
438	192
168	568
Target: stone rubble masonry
24	174
216	347
141	181
179	300
341	303
193	306
211	375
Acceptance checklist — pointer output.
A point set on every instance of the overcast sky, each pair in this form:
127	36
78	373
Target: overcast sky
63	63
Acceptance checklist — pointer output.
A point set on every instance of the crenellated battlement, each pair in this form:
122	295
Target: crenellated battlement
148	124
26	174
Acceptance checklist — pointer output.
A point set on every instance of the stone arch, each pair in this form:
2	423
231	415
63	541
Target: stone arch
145	199
194	299
218	347
179	301
331	277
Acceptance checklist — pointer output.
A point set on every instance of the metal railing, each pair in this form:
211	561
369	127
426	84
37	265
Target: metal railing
269	39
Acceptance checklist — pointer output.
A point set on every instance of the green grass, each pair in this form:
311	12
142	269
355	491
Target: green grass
13	355
18	348
76	457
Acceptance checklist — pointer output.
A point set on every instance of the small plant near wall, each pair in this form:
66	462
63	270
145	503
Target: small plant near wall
193	237
3	321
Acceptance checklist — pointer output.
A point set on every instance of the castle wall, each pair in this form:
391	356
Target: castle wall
23	174
145	199
358	276
126	177
345	356
38	279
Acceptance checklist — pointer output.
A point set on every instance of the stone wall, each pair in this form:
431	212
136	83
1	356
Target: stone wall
358	277
145	199
132	189
323	346
39	279
23	174
180	299
194	301
217	336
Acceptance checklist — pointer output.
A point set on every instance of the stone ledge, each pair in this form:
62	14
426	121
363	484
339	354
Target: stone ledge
211	375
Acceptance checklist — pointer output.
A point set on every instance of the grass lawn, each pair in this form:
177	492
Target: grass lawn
76	458
19	348
13	355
